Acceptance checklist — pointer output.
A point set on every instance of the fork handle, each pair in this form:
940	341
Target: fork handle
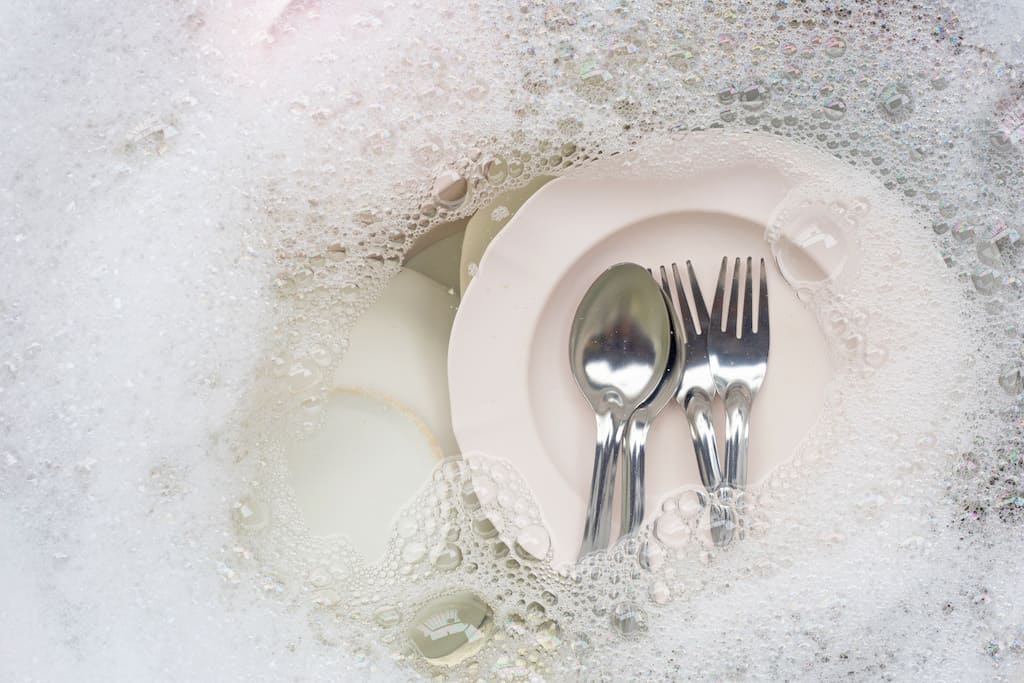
697	406
597	528
737	428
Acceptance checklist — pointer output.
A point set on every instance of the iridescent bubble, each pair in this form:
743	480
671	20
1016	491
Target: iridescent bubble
251	514
1002	231
895	101
810	242
284	283
1000	139
660	593
533	543
535	612
876	356
427	153
835	47
727	94
413	552
326	597
595	81
650	556
387	617
682	55
581	645
691	503
628	47
336	251
549	635
485	528
486	489
495	170
448	630
468	492
985	280
754	96
671	530
319	577
692	80
835	109
448	558
628	619
1011	379
790	74
989	254
1012	288
964	232
450	189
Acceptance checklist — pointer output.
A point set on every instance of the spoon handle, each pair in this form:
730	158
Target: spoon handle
633	474
597	529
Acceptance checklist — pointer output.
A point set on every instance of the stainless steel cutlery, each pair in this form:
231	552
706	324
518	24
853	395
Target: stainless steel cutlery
739	360
632	494
619	350
697	390
633	349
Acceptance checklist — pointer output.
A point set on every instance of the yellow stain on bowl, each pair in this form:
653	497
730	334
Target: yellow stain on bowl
370	457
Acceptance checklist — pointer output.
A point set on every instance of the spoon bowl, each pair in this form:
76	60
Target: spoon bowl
635	433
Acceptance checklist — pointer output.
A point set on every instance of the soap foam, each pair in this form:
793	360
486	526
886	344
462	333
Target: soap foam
202	199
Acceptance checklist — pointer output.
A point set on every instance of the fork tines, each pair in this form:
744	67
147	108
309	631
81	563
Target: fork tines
731	319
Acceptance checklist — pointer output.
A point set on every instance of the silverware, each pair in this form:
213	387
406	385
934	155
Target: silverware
697	390
632	484
618	350
739	360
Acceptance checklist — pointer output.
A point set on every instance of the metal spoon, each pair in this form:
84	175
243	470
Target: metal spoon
618	351
632	484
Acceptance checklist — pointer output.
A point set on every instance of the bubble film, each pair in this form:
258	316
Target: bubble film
202	199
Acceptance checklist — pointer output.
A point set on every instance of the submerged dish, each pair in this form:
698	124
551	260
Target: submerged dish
534	273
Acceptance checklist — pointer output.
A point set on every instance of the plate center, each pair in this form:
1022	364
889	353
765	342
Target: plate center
786	408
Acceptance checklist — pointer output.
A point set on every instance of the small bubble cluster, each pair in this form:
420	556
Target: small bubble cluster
826	77
188	253
888	307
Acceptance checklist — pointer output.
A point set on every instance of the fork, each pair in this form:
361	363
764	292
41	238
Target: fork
697	388
739	360
635	434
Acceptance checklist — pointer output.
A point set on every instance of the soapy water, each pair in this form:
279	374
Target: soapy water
861	474
206	212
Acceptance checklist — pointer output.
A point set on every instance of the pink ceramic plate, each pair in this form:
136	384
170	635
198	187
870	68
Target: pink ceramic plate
512	393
